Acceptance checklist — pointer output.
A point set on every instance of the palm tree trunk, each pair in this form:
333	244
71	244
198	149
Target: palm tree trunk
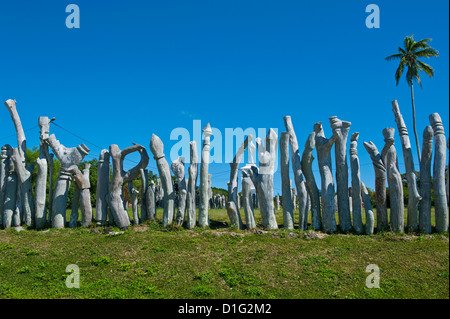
414	122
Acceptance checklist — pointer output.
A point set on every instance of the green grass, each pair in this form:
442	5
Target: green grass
148	261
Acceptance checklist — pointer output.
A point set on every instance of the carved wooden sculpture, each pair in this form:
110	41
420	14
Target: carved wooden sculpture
178	170
440	198
67	157
83	185
380	184
286	195
203	218
356	184
151	201
413	193
23	173
232	204
395	182
144	183
425	181
41	179
370	221
311	186
101	210
299	179
191	216
157	148
133	192
323	147
247	202
120	177
342	128
9	208
4	169
262	178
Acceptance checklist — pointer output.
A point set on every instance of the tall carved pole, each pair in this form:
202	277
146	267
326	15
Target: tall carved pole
395	182
178	170
232	203
67	157
157	148
342	129
191	216
380	184
101	210
440	198
203	218
286	196
41	180
323	147
311	186
119	178
413	193
356	184
299	180
425	181
50	186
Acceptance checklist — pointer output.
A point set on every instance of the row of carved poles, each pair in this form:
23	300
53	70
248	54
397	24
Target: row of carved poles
18	205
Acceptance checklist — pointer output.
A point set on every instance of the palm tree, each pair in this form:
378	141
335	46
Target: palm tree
409	57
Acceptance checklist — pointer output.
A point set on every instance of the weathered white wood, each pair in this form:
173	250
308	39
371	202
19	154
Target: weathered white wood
178	170
323	147
370	220
203	217
440	198
425	181
101	210
286	196
9	207
356	184
380	183
395	182
342	128
311	186
413	193
191	217
247	202
157	148
119	178
262	178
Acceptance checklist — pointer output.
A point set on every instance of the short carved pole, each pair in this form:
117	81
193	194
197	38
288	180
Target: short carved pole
9	207
370	220
83	184
425	181
4	168
247	200
440	198
144	182
380	184
178	170
133	192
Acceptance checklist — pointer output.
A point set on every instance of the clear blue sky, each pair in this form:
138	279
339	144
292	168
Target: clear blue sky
134	68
